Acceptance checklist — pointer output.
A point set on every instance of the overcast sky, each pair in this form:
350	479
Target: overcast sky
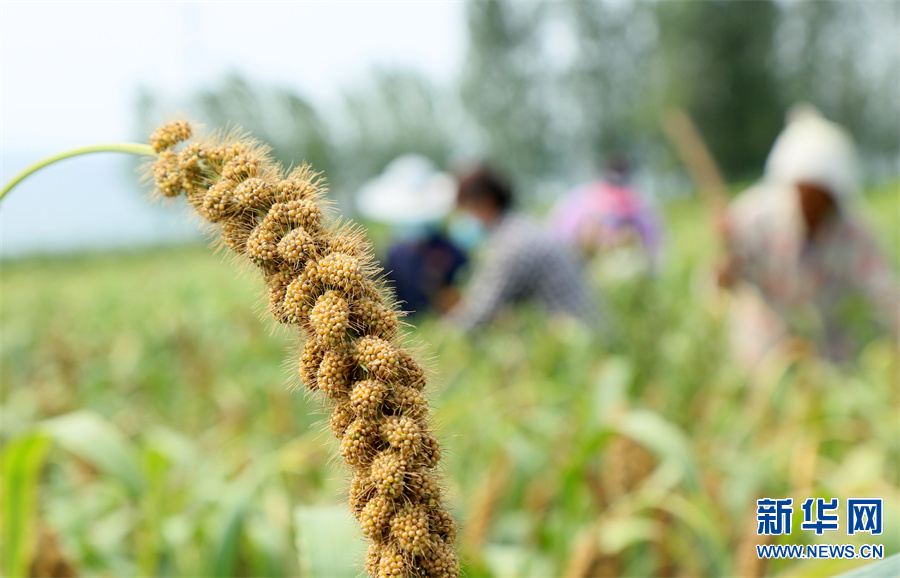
69	71
70	74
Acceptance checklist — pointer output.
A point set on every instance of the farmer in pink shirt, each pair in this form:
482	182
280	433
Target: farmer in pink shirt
607	213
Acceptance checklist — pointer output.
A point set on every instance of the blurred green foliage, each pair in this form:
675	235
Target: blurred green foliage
147	426
547	89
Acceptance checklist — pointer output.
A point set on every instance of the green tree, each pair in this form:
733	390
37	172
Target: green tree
843	58
607	81
276	115
501	86
716	59
391	113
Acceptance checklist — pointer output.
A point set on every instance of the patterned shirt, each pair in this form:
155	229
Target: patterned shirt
809	286
522	262
595	215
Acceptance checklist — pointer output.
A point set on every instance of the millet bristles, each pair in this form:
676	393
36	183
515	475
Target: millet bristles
322	279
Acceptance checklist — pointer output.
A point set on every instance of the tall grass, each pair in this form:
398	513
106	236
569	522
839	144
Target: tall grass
219	470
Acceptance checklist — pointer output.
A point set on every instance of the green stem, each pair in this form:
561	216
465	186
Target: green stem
132	148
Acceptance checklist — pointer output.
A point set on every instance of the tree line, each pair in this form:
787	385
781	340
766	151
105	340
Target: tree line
547	89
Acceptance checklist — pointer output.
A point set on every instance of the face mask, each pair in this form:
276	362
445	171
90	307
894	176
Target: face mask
466	231
412	231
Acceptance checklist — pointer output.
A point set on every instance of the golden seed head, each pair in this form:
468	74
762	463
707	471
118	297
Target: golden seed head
338	270
359	444
294	214
402	433
408	401
253	193
262	246
296	246
310	359
410	529
235	234
414	373
218	202
376	517
169	135
330	317
190	159
215	155
295	189
341	418
367	397
361	491
422	489
241	167
429	451
193	186
393	563
376	318
233	149
167	174
335	374
388	472
347	244
373	557
299	298
441	562
192	155
322	278
278	284
443	524
378	357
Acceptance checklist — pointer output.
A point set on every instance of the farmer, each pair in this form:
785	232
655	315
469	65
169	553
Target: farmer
422	261
519	260
798	259
607	214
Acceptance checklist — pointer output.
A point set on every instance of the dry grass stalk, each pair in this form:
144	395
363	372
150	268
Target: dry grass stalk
628	464
747	563
588	561
485	508
322	280
662	547
49	561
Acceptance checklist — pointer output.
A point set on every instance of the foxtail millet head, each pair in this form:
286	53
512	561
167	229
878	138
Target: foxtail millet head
322	280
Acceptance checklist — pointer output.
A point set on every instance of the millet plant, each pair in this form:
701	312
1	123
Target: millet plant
323	281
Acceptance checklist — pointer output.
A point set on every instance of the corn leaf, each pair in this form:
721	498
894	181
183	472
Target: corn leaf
327	542
663	438
22	461
226	540
98	442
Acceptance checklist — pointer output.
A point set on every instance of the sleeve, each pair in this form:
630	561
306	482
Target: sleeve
746	237
874	278
566	217
492	286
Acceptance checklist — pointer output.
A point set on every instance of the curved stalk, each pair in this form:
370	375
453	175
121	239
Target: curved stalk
132	148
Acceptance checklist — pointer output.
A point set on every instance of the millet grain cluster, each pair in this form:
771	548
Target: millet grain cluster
322	279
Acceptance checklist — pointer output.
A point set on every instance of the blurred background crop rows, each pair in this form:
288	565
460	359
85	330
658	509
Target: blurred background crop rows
146	425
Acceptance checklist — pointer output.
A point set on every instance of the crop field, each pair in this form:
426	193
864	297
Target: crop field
148	428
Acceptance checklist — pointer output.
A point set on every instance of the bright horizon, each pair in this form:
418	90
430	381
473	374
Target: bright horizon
71	71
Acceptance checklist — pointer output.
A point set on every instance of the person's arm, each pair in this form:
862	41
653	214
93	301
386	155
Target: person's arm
743	230
875	279
729	270
491	287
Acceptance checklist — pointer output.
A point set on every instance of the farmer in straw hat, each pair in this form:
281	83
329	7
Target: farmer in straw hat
422	262
798	259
